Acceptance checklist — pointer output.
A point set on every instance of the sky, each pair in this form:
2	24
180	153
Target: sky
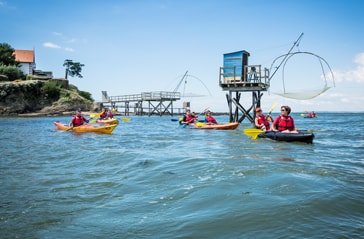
134	46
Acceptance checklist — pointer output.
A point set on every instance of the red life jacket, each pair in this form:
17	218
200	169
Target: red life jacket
263	120
190	119
103	115
284	123
211	119
77	121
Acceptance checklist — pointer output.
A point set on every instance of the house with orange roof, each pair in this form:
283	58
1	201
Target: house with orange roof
26	58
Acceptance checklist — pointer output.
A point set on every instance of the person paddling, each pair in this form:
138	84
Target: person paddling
77	119
262	121
188	118
209	119
109	114
284	122
103	114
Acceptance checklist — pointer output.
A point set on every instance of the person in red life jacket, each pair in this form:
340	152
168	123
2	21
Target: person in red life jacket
209	119
188	118
77	119
195	116
109	114
284	122
262	121
103	114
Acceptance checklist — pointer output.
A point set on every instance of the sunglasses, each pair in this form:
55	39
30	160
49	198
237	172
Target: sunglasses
283	110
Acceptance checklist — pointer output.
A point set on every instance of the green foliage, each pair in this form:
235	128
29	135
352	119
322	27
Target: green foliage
73	68
51	90
12	72
7	56
86	95
65	93
72	87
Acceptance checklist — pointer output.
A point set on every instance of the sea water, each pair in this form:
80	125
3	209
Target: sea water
153	179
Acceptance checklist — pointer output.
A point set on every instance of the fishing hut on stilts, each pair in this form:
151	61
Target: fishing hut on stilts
238	77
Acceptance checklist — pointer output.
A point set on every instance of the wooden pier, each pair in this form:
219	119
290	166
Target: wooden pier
146	103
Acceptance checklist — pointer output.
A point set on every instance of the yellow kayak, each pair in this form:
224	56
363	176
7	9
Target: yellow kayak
105	129
108	121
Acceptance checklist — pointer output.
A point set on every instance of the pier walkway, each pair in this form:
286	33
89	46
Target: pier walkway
145	103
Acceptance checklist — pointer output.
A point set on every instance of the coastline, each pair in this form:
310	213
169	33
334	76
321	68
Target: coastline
87	113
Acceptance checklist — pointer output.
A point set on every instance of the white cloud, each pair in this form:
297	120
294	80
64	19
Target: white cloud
51	45
57	33
55	46
355	75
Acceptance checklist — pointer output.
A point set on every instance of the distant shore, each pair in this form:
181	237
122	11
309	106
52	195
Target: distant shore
86	113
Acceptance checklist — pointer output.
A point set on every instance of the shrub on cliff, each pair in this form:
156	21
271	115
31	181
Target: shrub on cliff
51	90
86	95
12	72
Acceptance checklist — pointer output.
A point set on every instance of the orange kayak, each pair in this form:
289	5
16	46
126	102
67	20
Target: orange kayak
227	126
108	121
105	129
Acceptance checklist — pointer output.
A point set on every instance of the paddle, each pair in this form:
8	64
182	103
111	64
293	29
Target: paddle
253	132
95	115
70	128
126	119
272	108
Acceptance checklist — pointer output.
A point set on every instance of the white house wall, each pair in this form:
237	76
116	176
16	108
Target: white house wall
26	68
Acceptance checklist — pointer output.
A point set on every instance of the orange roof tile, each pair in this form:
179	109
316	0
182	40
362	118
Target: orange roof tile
24	55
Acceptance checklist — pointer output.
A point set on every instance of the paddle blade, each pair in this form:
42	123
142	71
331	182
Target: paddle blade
253	132
92	121
94	115
199	124
126	119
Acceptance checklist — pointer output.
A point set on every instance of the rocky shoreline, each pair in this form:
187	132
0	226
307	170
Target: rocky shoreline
30	99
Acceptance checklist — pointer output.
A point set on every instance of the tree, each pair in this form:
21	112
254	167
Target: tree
7	56
73	68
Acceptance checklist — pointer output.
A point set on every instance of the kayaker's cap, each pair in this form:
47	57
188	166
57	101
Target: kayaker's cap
258	109
78	110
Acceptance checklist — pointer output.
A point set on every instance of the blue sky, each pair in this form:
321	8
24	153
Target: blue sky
133	46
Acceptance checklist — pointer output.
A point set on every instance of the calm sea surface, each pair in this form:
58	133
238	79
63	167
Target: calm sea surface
151	179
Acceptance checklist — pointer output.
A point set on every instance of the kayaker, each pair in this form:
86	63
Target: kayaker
188	118
77	119
195	116
209	119
262	121
284	122
103	114
109	114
